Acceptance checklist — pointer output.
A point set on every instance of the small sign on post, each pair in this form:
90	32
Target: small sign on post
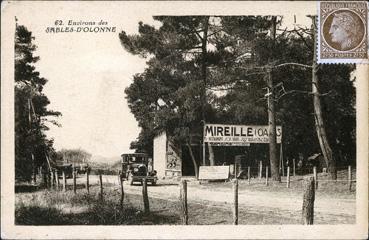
214	172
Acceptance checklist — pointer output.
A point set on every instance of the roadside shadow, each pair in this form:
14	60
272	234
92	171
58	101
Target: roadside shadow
165	184
25	188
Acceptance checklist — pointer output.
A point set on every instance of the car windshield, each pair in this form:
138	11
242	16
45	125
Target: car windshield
134	159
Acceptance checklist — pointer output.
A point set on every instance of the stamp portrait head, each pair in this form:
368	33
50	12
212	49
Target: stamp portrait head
343	30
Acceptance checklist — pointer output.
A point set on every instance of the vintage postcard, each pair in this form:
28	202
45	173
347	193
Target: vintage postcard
184	120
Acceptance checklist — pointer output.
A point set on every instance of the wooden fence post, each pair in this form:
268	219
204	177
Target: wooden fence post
260	169
48	175
145	197
53	177
266	175
183	200
294	167
308	202
349	177
235	203
57	179
74	181
248	175
64	182
40	174
44	180
315	177
121	190
101	187
34	174
288	177
87	181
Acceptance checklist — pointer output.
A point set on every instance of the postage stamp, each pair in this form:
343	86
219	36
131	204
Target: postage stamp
343	32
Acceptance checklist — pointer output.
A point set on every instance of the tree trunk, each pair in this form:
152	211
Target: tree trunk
204	41
319	123
193	161
211	155
274	164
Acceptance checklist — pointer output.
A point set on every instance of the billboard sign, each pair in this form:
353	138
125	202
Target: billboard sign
238	135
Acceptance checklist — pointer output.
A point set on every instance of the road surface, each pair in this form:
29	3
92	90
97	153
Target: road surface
327	208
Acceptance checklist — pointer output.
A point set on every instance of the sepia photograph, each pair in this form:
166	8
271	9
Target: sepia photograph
163	120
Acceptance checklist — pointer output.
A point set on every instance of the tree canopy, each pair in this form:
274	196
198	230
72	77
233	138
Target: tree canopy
174	93
74	156
31	112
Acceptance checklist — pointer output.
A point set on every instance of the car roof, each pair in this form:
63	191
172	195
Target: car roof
135	154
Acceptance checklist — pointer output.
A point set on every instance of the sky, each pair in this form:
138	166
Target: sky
88	72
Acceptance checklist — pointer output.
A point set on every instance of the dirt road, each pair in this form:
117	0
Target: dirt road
328	209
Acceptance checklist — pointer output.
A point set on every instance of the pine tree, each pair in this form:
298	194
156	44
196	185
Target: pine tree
31	143
170	94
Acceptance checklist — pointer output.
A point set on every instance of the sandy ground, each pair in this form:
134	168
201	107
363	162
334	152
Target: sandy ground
341	209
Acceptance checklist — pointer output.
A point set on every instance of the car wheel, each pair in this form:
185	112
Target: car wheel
153	183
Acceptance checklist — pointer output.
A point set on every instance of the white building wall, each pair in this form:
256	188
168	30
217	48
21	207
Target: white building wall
160	154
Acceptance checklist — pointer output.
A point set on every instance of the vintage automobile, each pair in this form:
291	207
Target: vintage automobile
67	168
81	168
136	167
